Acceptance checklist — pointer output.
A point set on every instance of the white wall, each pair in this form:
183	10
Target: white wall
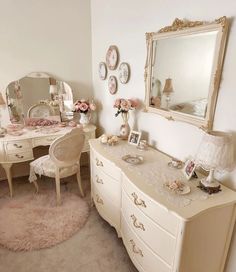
124	24
52	36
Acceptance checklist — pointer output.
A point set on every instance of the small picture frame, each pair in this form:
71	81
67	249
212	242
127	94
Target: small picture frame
189	168
134	137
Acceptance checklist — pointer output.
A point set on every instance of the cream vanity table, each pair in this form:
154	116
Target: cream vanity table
15	149
22	95
161	231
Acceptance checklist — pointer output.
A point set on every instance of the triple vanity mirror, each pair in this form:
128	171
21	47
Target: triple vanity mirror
183	69
25	94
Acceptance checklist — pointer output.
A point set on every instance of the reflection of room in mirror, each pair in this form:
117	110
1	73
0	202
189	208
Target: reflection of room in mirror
35	88
188	61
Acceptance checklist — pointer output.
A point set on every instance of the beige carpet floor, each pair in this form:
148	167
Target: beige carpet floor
95	248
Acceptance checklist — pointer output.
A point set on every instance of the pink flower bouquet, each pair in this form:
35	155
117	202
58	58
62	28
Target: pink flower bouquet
124	105
84	106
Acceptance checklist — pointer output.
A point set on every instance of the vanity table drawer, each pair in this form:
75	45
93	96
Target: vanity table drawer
159	240
45	140
107	185
105	165
17	145
152	209
20	156
106	208
139	251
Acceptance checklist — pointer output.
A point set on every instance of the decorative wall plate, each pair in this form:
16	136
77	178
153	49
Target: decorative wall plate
102	70
124	72
112	84
112	57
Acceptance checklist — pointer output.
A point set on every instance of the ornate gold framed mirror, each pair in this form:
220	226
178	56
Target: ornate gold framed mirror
183	70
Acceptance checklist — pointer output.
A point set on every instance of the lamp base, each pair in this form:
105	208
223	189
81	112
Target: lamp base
210	188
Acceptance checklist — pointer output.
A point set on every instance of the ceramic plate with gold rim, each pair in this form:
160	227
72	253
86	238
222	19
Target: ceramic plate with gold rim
102	70
112	57
124	72
112	84
133	159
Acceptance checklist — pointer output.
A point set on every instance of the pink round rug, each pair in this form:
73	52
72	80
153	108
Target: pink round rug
31	222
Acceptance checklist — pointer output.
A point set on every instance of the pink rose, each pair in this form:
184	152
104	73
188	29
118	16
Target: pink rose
77	102
125	104
77	107
92	106
134	102
83	106
117	103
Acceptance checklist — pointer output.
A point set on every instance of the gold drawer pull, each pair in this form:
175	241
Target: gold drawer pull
138	202
19	156
98	163
135	249
136	224
99	200
18	146
98	180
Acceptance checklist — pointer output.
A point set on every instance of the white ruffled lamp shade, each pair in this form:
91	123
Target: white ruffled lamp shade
215	152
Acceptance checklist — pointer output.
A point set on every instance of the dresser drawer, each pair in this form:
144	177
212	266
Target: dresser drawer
105	165
14	146
45	140
20	156
140	252
106	208
158	239
152	209
107	185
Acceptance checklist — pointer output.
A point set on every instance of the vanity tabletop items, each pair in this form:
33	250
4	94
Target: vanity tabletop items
166	223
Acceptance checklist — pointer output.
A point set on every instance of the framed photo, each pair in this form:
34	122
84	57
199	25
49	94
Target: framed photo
134	137
189	168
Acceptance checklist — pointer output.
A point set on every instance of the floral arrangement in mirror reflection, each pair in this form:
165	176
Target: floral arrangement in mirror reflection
84	107
123	107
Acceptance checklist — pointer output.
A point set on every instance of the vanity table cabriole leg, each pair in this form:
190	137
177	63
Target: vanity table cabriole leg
7	168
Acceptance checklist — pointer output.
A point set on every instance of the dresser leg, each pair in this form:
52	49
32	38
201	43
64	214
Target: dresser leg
7	168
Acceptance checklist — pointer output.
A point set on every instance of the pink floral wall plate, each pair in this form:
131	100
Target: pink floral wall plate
112	84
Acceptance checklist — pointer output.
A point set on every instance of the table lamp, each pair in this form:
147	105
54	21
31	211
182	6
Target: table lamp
215	153
168	90
2	103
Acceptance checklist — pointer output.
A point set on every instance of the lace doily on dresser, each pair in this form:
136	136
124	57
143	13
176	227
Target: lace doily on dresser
156	173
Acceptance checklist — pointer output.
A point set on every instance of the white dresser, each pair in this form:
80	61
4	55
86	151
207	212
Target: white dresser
162	232
15	149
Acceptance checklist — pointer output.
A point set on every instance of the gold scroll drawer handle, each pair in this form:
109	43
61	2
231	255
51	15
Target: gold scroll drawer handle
135	249
99	200
19	156
99	163
99	180
138	202
17	146
136	224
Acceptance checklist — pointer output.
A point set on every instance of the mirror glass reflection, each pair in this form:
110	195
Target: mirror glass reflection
29	91
182	72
